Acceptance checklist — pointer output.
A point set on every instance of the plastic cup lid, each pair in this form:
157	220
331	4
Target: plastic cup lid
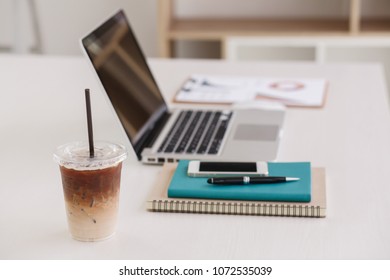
75	155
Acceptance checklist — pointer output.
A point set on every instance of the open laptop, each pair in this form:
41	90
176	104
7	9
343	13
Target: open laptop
158	134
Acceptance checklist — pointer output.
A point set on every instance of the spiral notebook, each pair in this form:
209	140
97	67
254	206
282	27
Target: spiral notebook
160	202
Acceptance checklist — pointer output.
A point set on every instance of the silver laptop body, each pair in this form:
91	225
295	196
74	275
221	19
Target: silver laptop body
158	134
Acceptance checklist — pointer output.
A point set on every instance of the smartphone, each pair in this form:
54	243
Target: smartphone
224	169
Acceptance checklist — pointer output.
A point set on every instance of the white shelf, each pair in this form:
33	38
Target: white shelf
277	52
317	49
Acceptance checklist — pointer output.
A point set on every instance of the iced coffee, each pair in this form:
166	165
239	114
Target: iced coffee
91	188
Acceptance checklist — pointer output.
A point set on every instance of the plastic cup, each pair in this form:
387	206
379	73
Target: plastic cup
91	188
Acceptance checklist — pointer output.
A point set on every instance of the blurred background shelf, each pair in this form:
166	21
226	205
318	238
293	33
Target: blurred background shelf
375	26
319	49
354	23
219	29
348	31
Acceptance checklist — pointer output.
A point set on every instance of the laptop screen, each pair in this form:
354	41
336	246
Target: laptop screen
126	77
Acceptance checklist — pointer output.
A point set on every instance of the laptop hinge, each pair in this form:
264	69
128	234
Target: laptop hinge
151	136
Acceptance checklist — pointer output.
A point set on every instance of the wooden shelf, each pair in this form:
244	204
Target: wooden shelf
375	26
211	29
172	29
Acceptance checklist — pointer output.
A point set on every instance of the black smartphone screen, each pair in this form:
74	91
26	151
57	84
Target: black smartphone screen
228	166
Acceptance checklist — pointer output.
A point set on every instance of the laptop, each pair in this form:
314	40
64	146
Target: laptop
159	134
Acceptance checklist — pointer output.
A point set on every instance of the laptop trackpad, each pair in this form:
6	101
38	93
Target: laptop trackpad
256	132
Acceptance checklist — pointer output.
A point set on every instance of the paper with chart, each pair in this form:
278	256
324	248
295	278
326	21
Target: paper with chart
233	89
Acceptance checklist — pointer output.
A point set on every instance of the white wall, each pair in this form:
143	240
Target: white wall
63	22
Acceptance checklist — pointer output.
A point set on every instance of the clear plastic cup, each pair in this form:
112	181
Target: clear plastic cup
91	188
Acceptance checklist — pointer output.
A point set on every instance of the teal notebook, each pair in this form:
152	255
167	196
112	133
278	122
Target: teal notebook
183	186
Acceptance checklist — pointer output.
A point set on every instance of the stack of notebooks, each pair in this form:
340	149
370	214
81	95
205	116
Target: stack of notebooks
177	192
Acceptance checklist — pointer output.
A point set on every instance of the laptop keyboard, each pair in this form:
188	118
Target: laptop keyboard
197	132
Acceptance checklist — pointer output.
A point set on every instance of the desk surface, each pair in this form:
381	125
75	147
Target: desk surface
43	106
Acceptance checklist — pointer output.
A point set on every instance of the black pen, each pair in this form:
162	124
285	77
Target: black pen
249	180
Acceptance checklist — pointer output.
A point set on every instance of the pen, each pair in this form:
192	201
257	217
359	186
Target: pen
249	180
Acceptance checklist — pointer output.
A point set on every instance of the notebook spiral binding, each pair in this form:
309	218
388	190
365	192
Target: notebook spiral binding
236	208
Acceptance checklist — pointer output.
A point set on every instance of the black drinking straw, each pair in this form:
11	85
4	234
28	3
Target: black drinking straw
89	120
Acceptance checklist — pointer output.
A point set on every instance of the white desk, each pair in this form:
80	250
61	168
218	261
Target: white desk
42	106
